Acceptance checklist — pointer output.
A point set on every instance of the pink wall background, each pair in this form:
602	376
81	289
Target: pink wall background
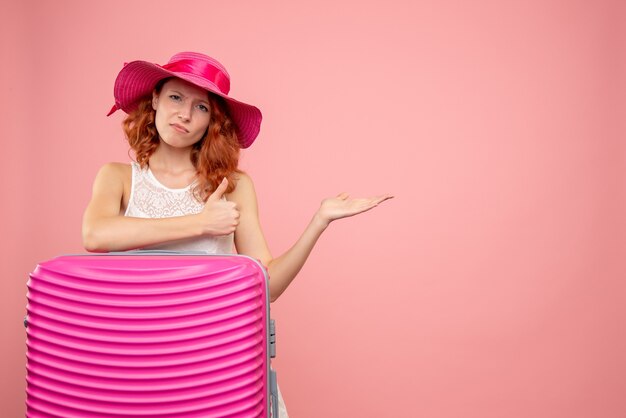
492	286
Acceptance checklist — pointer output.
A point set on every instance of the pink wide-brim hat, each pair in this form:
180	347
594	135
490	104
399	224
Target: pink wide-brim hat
138	78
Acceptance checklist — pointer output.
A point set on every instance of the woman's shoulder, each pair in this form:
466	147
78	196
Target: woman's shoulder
244	187
243	179
115	171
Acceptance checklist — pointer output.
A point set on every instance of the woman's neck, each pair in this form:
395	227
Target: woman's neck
171	159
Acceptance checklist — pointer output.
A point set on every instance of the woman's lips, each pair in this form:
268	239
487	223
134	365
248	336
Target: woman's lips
179	128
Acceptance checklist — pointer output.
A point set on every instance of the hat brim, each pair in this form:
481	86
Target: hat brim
138	78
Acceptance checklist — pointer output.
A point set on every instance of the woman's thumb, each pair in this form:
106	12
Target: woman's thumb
219	192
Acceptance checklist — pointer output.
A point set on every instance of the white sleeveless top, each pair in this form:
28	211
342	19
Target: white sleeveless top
151	199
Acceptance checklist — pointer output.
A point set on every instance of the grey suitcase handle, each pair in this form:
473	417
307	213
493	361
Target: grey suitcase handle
274	393
273	384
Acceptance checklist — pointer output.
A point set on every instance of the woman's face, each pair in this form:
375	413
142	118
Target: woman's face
182	113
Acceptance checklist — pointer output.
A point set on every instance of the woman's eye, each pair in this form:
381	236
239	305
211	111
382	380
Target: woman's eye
203	108
175	97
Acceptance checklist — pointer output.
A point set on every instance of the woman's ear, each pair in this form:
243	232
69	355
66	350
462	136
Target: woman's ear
155	99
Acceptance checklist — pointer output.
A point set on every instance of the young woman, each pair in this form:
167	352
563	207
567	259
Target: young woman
185	192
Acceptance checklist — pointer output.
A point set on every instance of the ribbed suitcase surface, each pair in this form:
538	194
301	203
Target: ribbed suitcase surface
148	335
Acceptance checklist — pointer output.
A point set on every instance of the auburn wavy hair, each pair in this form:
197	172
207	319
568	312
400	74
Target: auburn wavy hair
215	156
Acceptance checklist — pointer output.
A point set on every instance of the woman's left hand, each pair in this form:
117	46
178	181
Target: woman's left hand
343	206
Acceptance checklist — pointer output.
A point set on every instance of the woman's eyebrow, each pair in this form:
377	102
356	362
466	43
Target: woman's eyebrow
201	99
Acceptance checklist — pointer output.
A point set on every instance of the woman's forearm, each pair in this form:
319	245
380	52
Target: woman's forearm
121	233
282	270
249	239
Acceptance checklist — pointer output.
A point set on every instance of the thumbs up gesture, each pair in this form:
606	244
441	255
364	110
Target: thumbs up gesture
219	216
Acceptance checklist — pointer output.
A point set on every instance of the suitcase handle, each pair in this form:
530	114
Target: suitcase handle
273	384
274	393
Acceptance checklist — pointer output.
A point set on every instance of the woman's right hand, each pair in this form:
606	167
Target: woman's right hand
219	216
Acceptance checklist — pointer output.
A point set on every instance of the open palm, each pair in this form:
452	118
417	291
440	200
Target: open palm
343	206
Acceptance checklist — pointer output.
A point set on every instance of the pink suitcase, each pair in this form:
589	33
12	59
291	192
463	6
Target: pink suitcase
149	335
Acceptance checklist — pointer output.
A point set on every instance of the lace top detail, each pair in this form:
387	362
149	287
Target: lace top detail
151	199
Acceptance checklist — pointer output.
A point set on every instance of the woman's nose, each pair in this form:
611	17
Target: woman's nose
183	114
